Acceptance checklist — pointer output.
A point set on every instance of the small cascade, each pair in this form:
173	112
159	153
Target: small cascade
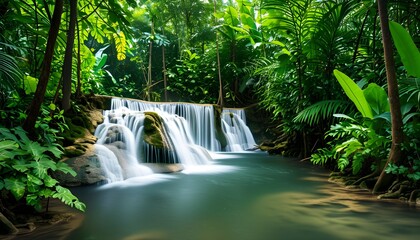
238	135
136	132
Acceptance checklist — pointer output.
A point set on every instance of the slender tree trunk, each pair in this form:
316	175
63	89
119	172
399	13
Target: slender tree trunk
79	65
220	101
359	37
35	65
394	101
33	110
68	57
149	68
165	84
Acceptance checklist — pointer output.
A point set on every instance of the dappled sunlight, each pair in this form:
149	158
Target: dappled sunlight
310	211
331	211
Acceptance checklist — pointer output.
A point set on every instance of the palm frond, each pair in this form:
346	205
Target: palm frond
322	110
9	71
410	89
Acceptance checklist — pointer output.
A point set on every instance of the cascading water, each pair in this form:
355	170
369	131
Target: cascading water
136	132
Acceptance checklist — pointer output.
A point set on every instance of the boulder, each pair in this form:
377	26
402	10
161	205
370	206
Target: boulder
154	133
87	167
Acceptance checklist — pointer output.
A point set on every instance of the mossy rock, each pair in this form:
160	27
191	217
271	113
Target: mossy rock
154	133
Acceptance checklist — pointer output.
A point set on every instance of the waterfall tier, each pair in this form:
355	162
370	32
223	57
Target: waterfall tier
140	132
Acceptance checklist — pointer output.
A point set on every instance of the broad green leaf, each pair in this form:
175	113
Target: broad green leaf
21	165
5	146
35	180
52	106
49	181
8	145
6	134
15	186
65	168
354	93
39	169
55	151
1	184
35	149
30	84
410	55
357	163
385	115
46	192
68	198
377	98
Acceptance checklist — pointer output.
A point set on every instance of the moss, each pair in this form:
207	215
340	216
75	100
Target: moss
153	130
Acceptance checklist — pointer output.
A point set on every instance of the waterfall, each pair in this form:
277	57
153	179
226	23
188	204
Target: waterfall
136	132
238	135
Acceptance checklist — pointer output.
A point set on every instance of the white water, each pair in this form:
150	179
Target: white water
189	130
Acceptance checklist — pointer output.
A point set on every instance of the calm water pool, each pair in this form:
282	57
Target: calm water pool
245	196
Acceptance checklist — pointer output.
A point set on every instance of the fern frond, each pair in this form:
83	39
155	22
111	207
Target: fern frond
320	111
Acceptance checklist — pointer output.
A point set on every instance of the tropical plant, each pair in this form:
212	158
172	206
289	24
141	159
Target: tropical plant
353	145
26	167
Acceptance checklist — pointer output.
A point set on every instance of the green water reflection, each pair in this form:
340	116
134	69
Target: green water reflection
245	197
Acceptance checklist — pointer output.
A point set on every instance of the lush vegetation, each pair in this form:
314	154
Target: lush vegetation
317	66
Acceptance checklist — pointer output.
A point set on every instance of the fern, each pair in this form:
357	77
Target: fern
25	166
321	111
322	156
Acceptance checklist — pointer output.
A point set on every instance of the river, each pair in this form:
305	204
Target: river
241	196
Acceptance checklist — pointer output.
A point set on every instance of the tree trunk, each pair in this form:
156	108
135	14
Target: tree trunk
79	65
149	68
33	110
220	99
68	57
394	101
165	80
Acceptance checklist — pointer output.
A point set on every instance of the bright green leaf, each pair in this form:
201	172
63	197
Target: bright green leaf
410	55
354	93
15	186
377	98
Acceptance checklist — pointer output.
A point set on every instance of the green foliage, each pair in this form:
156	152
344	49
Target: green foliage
95	71
321	111
377	99
352	145
354	93
412	173
25	167
193	78
410	55
410	168
9	71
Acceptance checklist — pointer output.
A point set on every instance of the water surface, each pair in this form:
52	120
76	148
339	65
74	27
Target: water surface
242	196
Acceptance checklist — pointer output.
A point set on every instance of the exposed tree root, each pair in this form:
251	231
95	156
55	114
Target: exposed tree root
413	196
369	176
396	190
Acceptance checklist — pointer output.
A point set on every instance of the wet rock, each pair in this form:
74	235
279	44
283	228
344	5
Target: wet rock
87	167
154	131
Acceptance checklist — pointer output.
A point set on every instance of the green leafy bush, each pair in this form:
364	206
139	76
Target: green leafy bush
352	145
25	168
